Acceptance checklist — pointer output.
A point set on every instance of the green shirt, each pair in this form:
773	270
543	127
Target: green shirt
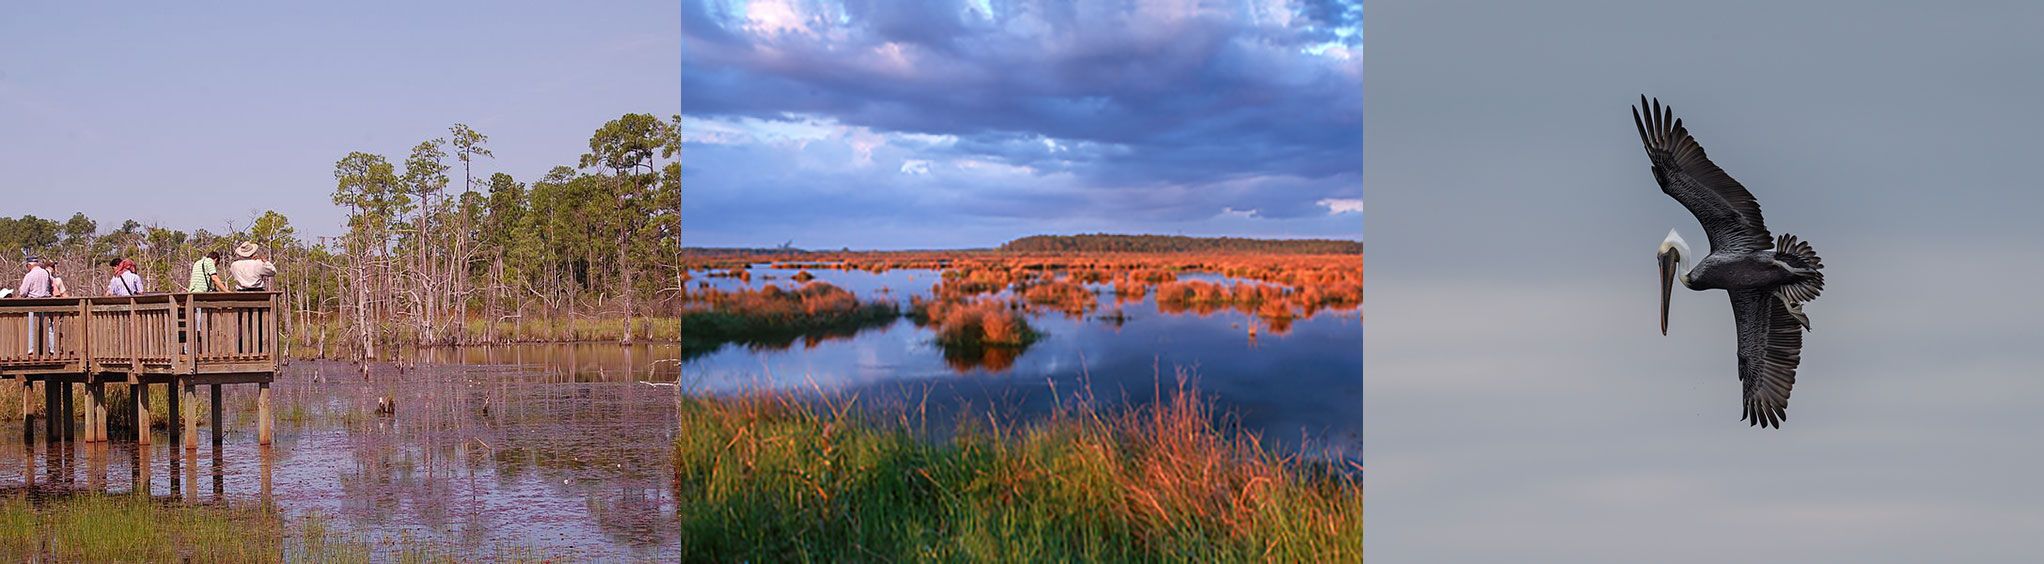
202	275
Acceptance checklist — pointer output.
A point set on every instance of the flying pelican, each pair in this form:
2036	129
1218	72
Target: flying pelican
1769	278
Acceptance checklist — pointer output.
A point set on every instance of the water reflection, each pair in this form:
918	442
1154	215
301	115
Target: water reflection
478	457
41	471
579	362
1293	375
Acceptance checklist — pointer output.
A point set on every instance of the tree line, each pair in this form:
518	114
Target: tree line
424	261
1110	243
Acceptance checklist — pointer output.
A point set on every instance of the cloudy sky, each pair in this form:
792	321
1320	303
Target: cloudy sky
1522	405
937	124
194	114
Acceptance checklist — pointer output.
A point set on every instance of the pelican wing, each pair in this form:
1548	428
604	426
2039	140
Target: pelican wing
1770	347
1729	214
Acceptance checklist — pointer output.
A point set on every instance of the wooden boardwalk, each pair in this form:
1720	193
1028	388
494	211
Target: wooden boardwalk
181	341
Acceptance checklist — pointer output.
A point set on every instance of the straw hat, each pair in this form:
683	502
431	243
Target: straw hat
247	249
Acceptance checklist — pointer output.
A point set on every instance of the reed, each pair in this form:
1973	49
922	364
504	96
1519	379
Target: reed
110	528
101	528
766	477
775	318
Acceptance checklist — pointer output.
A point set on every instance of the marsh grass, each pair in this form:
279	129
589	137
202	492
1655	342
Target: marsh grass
768	478
974	324
577	329
118	416
774	318
306	338
106	528
101	528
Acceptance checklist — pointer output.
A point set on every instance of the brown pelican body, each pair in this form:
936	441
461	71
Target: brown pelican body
1768	278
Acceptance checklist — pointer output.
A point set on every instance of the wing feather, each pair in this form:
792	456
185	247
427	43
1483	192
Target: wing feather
1770	349
1728	212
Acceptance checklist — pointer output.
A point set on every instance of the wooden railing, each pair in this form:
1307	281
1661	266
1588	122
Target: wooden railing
40	335
207	333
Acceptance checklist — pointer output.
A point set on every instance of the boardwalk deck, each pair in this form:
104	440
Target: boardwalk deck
180	341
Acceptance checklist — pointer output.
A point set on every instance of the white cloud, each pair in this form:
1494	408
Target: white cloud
1232	212
915	167
1337	206
993	167
775	16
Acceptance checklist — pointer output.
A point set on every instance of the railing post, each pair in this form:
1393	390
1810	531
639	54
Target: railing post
272	334
134	334
84	326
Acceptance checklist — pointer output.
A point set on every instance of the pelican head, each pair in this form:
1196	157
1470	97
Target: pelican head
1674	259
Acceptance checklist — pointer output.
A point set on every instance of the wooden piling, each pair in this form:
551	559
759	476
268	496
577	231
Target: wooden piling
176	401
140	393
99	411
263	414
27	411
91	406
143	466
191	423
216	415
50	405
65	423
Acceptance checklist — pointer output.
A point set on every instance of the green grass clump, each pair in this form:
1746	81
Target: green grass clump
775	318
109	528
764	478
101	528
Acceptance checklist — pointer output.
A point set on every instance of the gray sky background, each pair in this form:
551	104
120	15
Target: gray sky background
1522	405
193	114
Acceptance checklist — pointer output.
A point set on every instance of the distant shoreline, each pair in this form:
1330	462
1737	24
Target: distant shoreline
1092	243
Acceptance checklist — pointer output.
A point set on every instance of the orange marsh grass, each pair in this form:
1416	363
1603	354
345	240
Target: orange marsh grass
767	477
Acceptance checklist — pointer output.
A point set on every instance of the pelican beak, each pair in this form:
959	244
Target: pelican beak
1667	259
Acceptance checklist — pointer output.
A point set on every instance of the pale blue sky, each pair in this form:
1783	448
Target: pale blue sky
195	114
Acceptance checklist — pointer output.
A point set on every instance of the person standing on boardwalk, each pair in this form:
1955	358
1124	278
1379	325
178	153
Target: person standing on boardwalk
57	289
36	283
206	275
250	274
124	281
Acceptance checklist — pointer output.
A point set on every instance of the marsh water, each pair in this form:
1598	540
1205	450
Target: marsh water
1299	384
557	449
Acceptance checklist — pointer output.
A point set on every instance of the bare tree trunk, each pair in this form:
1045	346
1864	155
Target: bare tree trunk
624	267
362	305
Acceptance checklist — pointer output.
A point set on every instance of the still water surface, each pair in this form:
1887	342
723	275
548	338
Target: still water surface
1301	386
559	448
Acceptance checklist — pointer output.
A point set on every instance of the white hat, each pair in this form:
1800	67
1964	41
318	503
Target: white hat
247	249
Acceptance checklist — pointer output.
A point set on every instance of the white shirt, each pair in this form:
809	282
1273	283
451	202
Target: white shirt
36	284
127	284
249	273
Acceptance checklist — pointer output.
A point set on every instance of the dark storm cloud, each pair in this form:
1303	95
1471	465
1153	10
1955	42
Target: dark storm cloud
1127	105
